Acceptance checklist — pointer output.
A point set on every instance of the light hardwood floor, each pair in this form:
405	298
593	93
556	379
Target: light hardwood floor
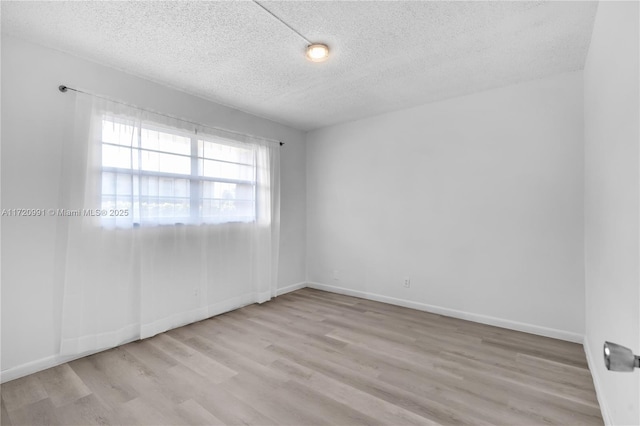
316	358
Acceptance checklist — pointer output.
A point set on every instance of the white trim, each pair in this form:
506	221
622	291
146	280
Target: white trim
604	409
293	287
172	321
265	296
235	303
100	342
199	314
44	363
33	366
470	316
156	327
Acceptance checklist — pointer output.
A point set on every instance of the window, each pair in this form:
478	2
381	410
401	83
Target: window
160	175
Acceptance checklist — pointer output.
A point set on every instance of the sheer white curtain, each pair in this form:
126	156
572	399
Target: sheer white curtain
165	223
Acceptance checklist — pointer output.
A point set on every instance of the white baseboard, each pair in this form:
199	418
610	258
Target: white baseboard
44	363
483	319
54	360
591	362
290	288
31	367
149	330
183	318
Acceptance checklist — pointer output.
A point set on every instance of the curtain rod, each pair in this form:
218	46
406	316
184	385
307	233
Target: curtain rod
64	89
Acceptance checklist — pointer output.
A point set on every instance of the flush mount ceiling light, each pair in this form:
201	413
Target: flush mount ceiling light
316	52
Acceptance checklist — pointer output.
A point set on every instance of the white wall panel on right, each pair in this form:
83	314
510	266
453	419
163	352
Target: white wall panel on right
477	199
611	204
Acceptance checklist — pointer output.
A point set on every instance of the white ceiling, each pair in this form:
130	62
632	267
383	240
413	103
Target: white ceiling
385	55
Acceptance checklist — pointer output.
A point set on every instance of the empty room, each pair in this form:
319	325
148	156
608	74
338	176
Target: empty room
320	213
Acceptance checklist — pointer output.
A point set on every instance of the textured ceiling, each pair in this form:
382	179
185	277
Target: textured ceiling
385	55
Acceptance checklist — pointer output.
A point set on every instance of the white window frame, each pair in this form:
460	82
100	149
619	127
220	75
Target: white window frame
195	178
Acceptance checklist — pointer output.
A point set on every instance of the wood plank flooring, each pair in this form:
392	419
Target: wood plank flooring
316	358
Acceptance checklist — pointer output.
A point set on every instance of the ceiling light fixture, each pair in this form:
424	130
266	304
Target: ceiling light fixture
316	52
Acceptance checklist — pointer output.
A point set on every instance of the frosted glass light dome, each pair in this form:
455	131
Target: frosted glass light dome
317	52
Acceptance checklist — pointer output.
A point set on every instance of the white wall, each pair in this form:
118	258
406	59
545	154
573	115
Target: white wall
34	116
477	199
611	203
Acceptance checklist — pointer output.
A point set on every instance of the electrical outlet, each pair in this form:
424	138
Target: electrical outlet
335	275
196	292
406	283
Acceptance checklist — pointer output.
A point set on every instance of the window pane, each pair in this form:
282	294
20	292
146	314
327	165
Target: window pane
218	190
227	210
245	210
116	133
168	163
227	191
217	151
117	184
123	184
111	202
164	209
153	186
149	185
162	141
108	183
217	169
173	187
115	156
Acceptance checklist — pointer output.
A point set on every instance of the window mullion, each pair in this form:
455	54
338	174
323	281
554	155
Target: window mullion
255	185
136	188
194	184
